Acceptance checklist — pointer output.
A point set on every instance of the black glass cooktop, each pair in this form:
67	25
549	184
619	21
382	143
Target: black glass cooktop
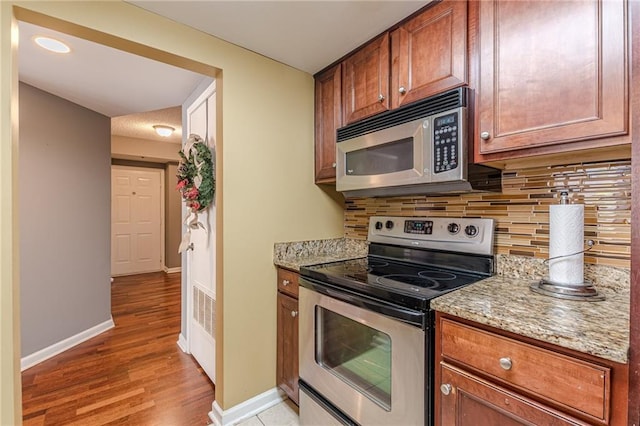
405	284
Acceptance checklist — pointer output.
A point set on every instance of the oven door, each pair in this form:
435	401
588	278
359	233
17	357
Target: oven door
366	364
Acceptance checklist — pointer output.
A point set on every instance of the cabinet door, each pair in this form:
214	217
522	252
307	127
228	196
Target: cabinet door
429	53
328	114
550	73
467	400
365	79
287	342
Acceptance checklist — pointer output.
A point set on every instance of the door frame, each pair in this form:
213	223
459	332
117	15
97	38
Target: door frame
11	14
162	209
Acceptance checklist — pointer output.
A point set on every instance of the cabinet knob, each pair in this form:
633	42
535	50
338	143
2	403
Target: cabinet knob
333	165
506	363
285	282
402	90
445	388
484	135
294	314
380	97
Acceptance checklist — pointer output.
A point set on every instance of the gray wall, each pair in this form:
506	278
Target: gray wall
65	215
173	218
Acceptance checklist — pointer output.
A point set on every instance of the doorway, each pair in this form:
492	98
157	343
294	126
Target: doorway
137	242
172	57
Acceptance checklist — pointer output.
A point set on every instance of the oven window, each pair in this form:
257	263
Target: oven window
359	355
390	157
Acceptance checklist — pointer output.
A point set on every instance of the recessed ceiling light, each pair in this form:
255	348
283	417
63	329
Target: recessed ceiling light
52	44
164	131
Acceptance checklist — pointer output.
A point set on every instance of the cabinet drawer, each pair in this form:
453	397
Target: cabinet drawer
288	282
574	384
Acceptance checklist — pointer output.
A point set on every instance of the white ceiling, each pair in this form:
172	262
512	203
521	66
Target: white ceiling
307	35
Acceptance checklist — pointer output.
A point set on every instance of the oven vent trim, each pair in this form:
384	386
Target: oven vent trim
445	101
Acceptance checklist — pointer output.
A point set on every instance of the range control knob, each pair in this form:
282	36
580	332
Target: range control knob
471	230
378	225
389	224
453	228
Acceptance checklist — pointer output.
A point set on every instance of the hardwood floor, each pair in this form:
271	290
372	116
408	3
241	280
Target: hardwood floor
133	374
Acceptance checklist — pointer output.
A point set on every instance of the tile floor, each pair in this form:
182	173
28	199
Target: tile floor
282	414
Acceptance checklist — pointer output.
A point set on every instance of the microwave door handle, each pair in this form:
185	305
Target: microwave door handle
405	315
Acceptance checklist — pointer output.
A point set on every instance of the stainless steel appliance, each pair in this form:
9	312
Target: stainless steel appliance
366	330
421	148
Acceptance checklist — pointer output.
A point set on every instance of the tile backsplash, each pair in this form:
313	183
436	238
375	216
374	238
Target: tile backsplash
521	211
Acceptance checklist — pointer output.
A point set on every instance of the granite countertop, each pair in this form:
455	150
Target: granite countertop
505	301
597	328
293	255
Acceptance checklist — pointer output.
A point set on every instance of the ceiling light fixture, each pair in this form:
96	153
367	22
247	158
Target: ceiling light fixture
52	45
164	131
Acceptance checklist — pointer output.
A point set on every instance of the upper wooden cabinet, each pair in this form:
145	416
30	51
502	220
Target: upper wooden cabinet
365	81
549	73
429	53
328	116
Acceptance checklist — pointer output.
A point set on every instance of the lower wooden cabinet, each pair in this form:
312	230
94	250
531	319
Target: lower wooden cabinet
470	401
486	376
287	334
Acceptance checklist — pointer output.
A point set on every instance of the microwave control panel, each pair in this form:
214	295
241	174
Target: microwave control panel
446	133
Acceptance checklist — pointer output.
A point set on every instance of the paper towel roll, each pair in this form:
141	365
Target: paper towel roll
566	236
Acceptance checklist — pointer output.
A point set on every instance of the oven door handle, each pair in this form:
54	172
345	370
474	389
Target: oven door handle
408	316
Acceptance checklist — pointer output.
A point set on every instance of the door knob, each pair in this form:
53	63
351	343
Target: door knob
445	388
380	97
285	282
484	135
294	314
506	363
402	90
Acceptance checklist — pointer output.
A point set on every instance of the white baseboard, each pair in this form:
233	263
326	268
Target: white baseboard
173	270
246	409
53	350
182	343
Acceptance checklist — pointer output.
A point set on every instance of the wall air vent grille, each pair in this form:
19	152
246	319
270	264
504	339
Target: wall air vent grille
433	105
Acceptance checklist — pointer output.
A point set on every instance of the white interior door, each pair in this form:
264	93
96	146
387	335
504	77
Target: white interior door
201	260
136	220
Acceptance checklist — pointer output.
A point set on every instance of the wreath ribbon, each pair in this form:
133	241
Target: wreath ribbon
196	183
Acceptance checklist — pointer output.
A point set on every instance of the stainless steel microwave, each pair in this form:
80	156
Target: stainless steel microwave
419	149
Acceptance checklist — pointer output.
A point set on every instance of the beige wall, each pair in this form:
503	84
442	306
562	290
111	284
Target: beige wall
265	173
172	218
10	396
143	149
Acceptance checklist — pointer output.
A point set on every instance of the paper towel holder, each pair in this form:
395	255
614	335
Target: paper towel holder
585	291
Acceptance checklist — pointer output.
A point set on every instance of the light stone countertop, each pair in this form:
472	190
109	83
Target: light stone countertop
597	328
293	255
505	301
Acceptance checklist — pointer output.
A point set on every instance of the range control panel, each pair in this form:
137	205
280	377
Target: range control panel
446	134
465	235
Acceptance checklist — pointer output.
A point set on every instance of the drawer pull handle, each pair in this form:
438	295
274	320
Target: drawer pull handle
445	388
285	282
506	363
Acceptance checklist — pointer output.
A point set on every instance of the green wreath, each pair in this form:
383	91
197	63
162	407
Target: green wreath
196	181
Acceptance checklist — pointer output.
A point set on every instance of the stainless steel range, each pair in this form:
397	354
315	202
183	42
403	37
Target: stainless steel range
366	328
